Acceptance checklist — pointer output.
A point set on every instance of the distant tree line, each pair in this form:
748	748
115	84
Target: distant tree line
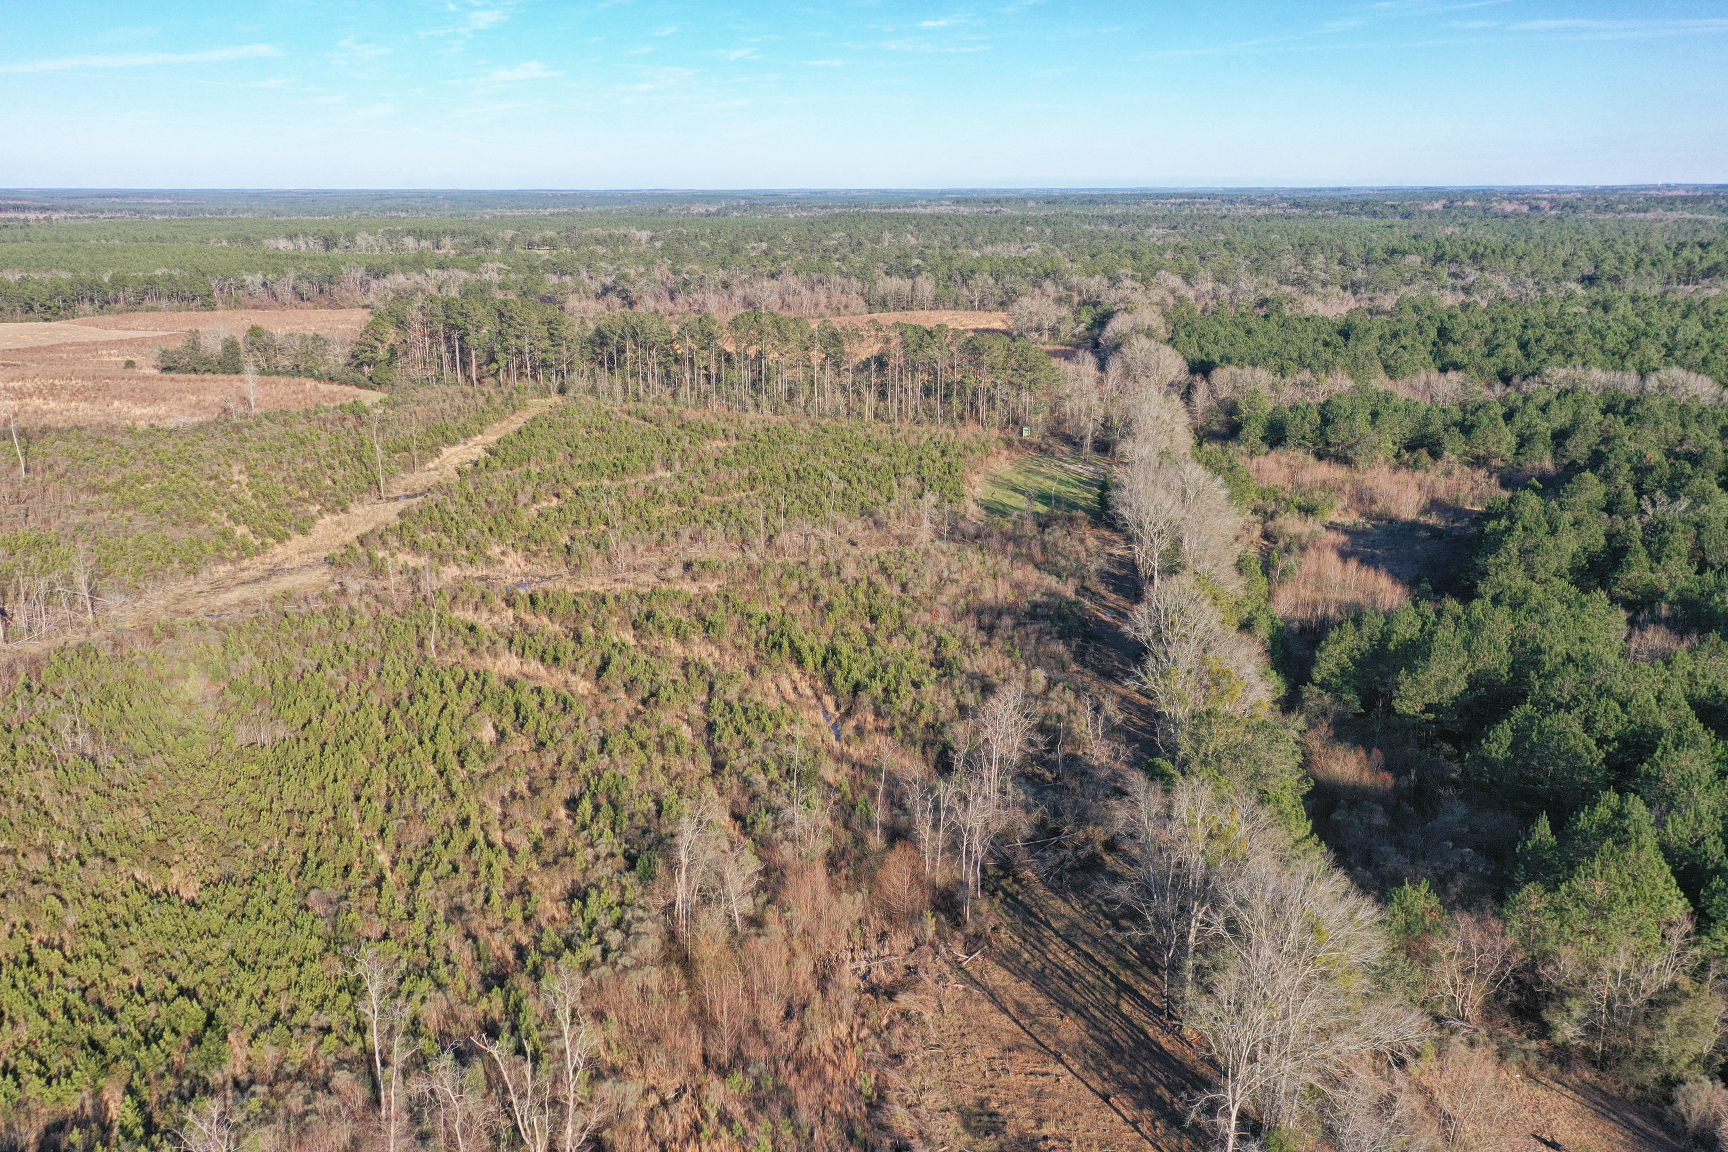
756	362
890	257
1501	339
63	297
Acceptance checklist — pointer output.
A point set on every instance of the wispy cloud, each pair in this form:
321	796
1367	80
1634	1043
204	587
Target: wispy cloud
736	54
825	63
659	80
1325	36
921	46
478	20
667	31
530	70
1424	7
1623	27
351	49
145	59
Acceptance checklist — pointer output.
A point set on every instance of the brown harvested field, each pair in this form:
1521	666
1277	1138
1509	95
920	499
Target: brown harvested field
336	323
929	318
30	335
73	371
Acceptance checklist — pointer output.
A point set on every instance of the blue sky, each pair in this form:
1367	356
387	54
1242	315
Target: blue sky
864	93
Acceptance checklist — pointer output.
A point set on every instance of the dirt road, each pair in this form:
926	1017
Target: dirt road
296	564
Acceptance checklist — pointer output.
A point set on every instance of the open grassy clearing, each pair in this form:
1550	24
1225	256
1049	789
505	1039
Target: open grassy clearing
73	373
1041	483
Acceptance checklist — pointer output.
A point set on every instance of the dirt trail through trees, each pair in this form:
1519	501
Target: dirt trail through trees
297	564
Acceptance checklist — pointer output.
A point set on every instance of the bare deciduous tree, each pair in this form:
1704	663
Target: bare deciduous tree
1208	526
707	865
1150	514
577	1048
12	420
1134	320
1613	989
1187	838
386	1015
1193	662
209	1127
1147	364
1289	1003
739	870
1039	316
1157	425
1471	963
527	1091
465	1114
553	1103
981	789
1082	399
1175	513
693	848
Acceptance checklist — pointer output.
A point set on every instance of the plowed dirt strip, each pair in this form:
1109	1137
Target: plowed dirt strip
297	564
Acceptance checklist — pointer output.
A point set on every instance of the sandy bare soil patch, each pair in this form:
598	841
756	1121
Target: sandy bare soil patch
73	372
1047	1040
969	321
59	401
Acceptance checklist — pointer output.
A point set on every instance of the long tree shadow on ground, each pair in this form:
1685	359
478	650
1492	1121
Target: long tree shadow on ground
1085	996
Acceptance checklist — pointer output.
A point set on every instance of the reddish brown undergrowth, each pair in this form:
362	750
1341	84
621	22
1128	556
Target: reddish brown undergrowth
1329	586
1379	491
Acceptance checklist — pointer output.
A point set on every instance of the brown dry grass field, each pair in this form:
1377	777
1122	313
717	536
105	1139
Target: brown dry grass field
929	318
1330	585
1381	491
1391	528
72	372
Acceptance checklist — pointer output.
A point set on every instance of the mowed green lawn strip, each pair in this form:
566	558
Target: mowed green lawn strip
1042	483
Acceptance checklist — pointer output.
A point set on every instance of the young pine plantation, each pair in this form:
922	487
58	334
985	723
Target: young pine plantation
1261	685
